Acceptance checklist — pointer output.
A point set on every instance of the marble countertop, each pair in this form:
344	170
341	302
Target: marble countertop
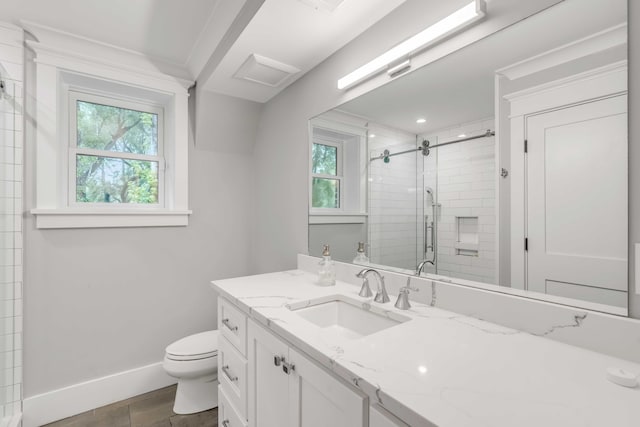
445	369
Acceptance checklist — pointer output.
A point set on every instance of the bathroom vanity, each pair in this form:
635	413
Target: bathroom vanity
296	354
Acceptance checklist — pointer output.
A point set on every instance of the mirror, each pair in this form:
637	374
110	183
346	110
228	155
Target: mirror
463	191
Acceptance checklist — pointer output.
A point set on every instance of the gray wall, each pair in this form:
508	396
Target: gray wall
101	301
342	238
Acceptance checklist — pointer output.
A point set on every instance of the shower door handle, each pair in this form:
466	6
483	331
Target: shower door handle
432	238
428	227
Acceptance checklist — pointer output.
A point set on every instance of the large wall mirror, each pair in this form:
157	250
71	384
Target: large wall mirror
515	176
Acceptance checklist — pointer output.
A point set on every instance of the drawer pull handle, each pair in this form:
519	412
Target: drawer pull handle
228	324
277	360
225	423
228	373
288	368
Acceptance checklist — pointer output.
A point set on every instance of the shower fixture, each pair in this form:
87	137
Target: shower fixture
430	200
425	147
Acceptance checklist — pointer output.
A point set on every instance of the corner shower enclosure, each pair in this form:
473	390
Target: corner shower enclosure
11	179
433	197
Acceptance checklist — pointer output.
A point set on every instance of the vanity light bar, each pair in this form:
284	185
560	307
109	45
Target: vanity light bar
458	20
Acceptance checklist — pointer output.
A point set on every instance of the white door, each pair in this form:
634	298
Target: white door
577	201
319	400
268	385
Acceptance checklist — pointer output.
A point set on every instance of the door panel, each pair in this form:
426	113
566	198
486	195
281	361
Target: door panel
319	400
268	385
577	197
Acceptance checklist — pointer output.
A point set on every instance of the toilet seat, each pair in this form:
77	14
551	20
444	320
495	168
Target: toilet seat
194	347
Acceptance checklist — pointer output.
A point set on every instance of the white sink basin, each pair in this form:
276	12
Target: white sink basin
346	317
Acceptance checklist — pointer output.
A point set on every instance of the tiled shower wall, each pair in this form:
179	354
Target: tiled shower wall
465	184
11	161
392	200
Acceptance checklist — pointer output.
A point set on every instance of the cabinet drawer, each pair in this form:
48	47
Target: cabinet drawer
228	415
232	375
233	325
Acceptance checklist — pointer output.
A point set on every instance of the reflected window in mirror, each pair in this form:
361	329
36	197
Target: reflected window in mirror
336	186
326	162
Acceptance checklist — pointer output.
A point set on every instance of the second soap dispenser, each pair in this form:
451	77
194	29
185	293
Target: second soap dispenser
327	270
361	257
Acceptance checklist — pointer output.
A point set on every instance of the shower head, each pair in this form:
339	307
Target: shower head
429	200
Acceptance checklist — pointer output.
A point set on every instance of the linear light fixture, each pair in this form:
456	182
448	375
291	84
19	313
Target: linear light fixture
458	20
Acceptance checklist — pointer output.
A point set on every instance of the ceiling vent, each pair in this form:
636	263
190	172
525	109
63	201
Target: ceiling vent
324	5
266	71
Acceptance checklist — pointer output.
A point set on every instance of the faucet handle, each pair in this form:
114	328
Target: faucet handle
405	289
403	297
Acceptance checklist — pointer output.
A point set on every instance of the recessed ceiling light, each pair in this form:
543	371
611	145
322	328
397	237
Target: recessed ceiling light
462	135
421	120
373	135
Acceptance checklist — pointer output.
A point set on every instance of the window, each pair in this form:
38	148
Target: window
326	175
111	137
115	153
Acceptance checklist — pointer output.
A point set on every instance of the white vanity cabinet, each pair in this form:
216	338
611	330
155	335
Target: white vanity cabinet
232	365
285	388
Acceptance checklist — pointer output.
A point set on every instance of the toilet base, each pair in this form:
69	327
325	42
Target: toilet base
196	395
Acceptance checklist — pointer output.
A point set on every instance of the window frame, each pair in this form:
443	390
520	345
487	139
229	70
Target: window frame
81	94
64	62
339	176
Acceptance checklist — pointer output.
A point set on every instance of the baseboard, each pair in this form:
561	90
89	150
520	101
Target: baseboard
15	420
11	421
75	399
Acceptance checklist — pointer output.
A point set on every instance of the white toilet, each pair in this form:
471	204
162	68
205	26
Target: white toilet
194	361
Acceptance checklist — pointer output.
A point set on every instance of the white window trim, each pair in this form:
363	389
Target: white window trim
59	62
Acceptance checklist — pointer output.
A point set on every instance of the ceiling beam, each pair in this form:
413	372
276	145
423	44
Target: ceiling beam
247	12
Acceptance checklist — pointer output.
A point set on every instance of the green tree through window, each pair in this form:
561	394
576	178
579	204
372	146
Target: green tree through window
127	177
325	189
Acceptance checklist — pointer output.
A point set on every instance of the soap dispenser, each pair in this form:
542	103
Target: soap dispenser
361	256
327	271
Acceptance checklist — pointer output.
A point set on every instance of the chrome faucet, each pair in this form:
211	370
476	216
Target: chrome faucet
420	267
365	291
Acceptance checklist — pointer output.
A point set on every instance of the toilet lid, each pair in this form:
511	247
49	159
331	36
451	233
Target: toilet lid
197	346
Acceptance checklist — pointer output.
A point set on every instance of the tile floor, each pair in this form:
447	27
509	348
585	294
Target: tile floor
152	409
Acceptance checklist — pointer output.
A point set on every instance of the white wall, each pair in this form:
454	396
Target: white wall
393	199
102	301
465	185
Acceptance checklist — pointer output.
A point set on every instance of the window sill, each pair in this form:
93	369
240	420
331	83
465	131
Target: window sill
104	218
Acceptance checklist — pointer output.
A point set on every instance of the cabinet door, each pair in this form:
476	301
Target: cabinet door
268	385
317	399
380	417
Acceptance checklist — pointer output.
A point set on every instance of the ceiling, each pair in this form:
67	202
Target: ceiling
296	34
211	39
163	29
460	87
